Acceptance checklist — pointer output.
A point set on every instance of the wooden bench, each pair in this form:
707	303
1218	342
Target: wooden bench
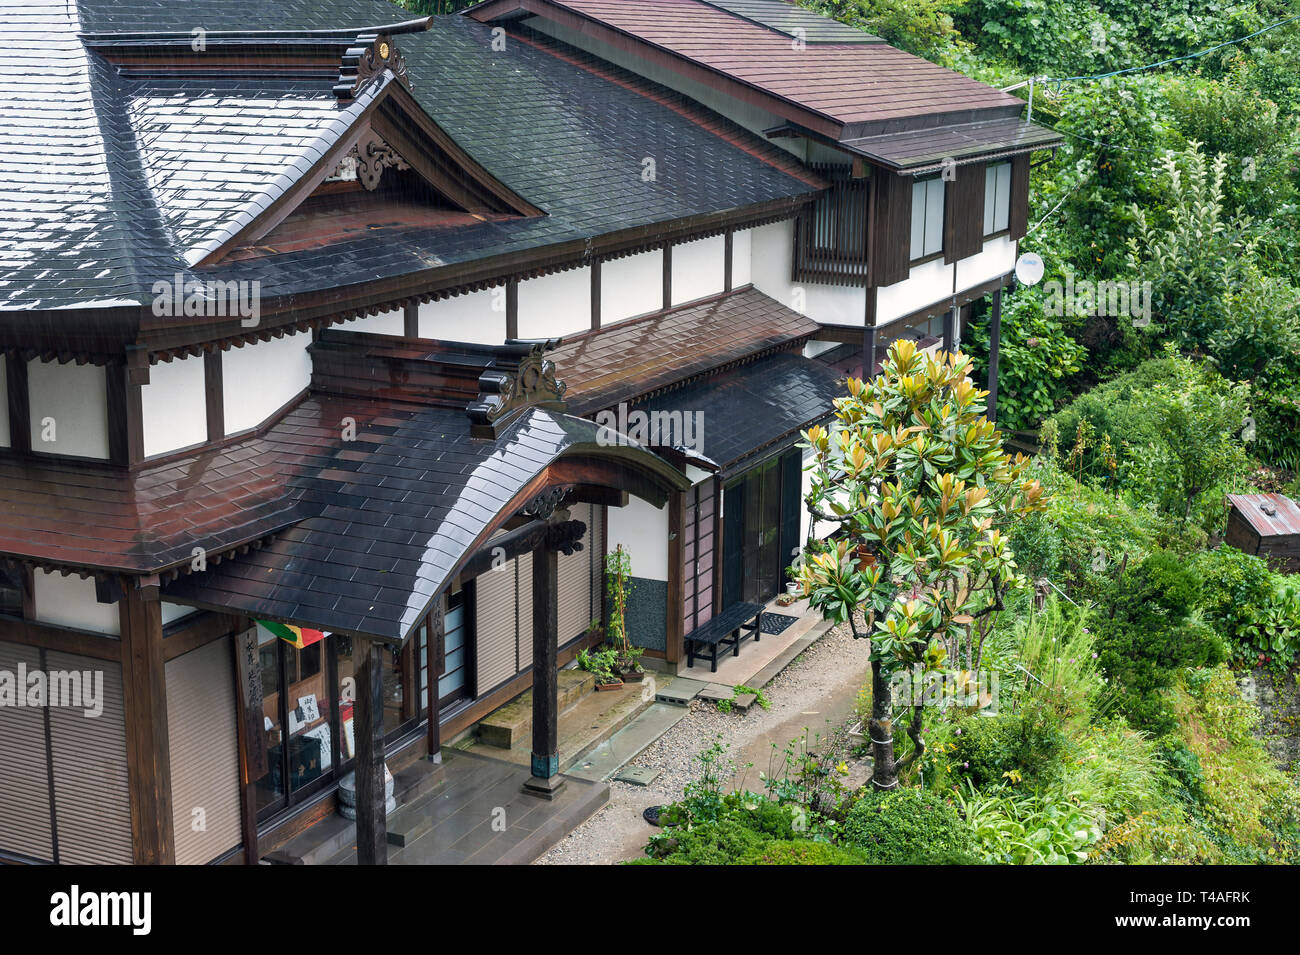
727	629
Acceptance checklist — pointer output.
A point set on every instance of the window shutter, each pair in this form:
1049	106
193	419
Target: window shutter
91	800
25	776
524	600
964	216
1019	223
204	752
891	228
494	602
574	580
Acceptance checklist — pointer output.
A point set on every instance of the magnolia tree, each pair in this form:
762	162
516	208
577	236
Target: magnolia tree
916	480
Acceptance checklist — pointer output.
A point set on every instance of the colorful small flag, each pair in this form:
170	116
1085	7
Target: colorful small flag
300	637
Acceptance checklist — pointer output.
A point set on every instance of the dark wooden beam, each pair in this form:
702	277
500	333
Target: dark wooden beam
668	275
20	416
411	320
125	402
215	391
372	821
512	308
949	330
435	663
251	737
595	295
729	248
545	780
869	336
144	693
995	341
673	626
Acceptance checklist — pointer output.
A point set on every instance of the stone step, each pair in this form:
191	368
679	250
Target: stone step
511	725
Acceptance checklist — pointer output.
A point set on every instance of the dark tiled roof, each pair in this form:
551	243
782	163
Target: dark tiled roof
628	361
95	205
755	406
929	147
845	82
365	530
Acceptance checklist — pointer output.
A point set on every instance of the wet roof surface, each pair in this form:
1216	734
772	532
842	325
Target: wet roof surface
110	182
755	406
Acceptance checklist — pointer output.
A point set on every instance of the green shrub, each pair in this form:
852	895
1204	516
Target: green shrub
804	852
894	827
1029	743
1148	631
1256	610
947	857
723	842
1022	828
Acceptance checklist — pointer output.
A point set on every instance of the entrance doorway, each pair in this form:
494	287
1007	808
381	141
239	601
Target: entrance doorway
760	517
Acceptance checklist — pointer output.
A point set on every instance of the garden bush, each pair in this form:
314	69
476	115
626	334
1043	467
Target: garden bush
723	842
803	852
1029	743
1147	631
1255	609
894	827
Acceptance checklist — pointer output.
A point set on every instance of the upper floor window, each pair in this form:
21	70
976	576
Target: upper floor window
927	218
997	198
831	234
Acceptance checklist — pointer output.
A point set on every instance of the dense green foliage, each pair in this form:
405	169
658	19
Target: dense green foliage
894	827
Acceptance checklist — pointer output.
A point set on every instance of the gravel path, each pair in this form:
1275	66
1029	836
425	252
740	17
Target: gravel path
820	685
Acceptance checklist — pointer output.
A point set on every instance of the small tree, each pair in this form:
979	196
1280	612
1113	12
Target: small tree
917	481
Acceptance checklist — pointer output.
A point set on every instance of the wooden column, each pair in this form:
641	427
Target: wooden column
545	780
436	665
372	822
869	337
595	295
512	308
144	692
673	626
411	320
949	329
995	339
728	253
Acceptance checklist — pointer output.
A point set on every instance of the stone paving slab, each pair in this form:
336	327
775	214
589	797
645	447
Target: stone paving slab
715	692
680	691
639	775
621	748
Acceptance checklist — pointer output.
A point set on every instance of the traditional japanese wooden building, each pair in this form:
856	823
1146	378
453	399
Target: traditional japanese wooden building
327	338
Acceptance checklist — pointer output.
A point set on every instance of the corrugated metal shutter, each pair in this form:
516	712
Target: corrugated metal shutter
25	772
494	617
574	577
91	800
524	601
201	727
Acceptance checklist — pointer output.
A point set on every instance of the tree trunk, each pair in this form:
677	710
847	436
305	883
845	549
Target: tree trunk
884	773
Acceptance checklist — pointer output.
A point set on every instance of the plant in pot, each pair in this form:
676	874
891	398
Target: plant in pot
600	664
618	571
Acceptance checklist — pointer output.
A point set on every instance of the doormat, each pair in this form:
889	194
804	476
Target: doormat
775	623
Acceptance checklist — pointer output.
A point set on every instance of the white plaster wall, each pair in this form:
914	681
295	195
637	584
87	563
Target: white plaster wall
70	602
998	257
476	317
771	253
75	397
555	305
175	409
642	529
173	612
4	402
258	380
926	284
385	323
631	286
699	269
741	250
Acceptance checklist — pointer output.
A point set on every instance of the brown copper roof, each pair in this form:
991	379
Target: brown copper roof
846	83
638	358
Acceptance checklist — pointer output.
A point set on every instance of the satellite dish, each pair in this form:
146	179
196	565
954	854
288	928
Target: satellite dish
1029	268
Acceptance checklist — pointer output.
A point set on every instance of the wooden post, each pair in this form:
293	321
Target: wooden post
545	780
434	661
869	337
949	330
144	694
372	823
674	625
995	339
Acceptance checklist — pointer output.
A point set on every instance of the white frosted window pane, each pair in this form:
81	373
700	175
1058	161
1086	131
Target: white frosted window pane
1003	219
918	220
934	217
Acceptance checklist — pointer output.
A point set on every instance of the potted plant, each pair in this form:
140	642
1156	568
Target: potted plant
618	571
600	664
